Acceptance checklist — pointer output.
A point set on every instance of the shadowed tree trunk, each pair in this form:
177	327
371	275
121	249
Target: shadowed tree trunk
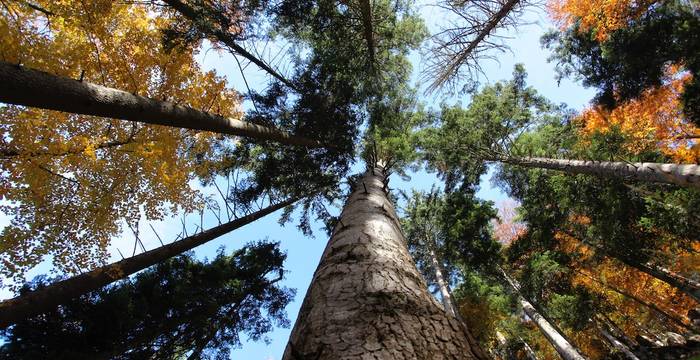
563	347
639	301
686	175
528	350
27	87
686	285
615	343
367	300
41	300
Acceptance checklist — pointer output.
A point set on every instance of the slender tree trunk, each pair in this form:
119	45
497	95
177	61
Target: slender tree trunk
617	344
367	299
616	331
445	293
463	55
223	37
563	347
368	29
685	285
27	87
528	350
686	175
39	301
639	301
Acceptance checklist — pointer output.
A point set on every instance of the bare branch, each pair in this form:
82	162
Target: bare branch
456	50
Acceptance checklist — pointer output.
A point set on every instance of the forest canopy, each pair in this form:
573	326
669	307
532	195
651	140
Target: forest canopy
469	214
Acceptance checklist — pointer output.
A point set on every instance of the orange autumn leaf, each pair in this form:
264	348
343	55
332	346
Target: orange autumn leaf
654	120
601	16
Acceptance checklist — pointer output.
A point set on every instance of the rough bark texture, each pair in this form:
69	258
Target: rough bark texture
39	301
367	300
26	87
687	175
563	347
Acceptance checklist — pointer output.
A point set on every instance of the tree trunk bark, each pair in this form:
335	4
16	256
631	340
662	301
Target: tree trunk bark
367	300
27	87
563	347
686	175
368	29
41	300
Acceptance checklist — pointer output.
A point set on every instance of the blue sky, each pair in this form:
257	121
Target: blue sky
303	253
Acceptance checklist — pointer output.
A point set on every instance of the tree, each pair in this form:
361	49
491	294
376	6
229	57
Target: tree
603	214
493	126
457	49
683	175
565	350
602	17
508	227
367	297
653	121
26	87
446	232
72	182
48	296
180	307
222	22
634	53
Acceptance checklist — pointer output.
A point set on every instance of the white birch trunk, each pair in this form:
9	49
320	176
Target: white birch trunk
36	302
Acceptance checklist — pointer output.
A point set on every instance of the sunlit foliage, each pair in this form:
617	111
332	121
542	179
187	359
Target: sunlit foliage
70	183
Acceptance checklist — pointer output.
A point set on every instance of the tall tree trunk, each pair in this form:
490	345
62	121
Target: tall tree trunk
465	54
563	347
367	299
27	87
528	350
368	29
39	301
445	293
686	175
